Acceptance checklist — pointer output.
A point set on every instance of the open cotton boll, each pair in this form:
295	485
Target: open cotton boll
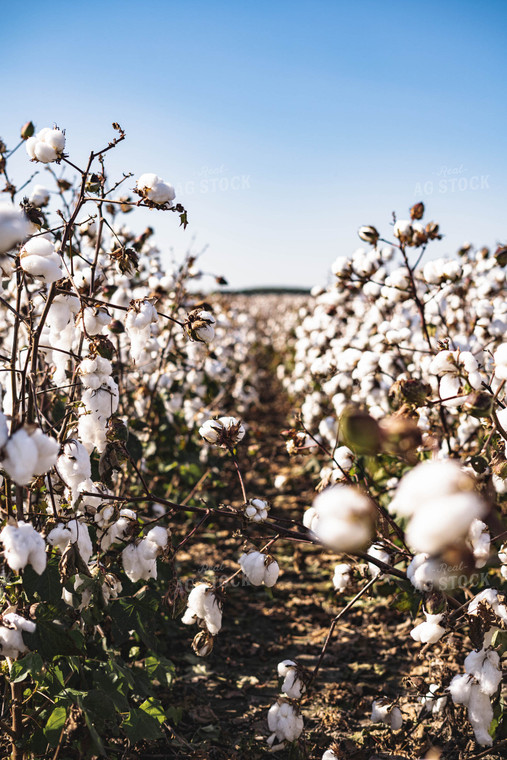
257	510
329	755
14	227
39	259
382	711
119	530
4	431
39	196
480	715
73	532
427	481
23	546
224	432
11	634
377	551
500	358
95	371
342	576
84	593
484	666
46	146
150	186
47	451
431	703
284	721
95	319
430	631
479	540
259	568
293	686
343	518
140	561
443	521
423	572
22	456
203	606
74	464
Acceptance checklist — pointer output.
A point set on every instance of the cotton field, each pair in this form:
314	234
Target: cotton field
240	525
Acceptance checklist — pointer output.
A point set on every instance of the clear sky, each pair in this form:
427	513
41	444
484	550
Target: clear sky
283	125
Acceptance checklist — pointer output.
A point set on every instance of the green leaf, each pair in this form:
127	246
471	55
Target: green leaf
159	669
51	639
29	665
153	707
140	725
55	724
134	447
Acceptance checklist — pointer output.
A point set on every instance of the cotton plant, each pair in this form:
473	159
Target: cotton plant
285	722
28	453
293	685
151	187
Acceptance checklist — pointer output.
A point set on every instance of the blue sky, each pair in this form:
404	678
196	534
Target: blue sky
284	126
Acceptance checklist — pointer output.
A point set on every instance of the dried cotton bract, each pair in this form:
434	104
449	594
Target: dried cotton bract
342	518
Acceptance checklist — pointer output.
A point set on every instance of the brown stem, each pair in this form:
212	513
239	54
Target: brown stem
17	720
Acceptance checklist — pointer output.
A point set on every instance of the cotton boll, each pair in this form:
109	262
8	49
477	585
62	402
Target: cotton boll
443	521
74	464
480	715
202	604
74	532
257	510
95	319
150	186
382	711
22	456
23	546
224	432
158	536
377	551
293	686
460	688
431	703
427	481
39	196
343	518
11	634
39	259
423	572
47	452
341	577
429	632
46	146
4	432
479	540
14	227
284	721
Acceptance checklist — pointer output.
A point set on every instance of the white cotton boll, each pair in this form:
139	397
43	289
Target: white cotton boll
21	458
223	432
342	576
74	532
39	259
202	604
131	563
11	634
119	530
74	464
344	458
329	755
377	551
257	510
95	320
402	229
271	573
480	715
95	371
46	146
460	688
423	572
284	721
500	358
252	565
23	546
14	227
396	719
343	518
429	632
47	452
382	711
39	196
156	190
85	594
479	540
431	703
427	481
158	536
292	687
443	522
